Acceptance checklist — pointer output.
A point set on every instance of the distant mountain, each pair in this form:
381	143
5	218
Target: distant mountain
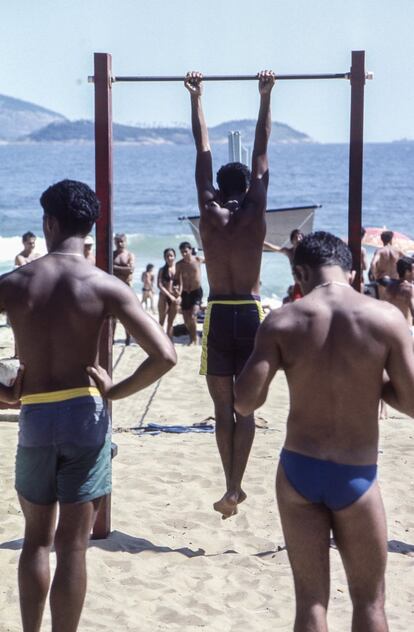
20	118
24	121
72	131
84	131
281	133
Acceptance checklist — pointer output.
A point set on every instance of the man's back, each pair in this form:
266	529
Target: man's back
333	346
56	306
385	262
233	247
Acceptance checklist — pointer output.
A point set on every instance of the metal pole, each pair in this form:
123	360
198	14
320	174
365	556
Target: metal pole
344	75
356	162
103	185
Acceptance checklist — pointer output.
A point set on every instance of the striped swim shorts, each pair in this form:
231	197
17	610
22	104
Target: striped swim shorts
230	326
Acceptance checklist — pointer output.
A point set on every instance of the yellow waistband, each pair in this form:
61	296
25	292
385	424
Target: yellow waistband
245	301
60	396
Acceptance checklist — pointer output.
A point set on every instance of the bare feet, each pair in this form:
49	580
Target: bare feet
227	505
242	497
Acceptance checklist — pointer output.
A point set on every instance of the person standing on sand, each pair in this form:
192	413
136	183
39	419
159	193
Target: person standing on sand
296	237
232	229
64	448
28	253
188	279
334	346
169	296
400	292
384	262
147	278
123	267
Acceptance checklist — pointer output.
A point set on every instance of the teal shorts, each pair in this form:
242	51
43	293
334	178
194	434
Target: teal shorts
64	451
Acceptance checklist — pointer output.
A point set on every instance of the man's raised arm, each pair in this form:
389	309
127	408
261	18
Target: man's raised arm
204	165
260	166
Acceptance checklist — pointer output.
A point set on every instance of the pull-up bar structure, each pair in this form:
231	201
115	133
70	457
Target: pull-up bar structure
164	78
103	81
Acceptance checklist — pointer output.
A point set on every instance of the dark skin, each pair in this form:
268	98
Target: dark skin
124	261
188	277
335	343
57	306
401	294
232	229
168	293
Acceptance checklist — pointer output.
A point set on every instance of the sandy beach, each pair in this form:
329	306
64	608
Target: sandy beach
170	562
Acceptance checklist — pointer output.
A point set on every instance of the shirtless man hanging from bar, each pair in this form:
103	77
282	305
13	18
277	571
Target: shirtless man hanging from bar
57	305
333	345
232	229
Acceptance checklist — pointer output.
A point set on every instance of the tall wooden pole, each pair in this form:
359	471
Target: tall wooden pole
103	186
356	162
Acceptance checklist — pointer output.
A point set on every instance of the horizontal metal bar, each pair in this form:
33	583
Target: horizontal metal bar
233	77
342	75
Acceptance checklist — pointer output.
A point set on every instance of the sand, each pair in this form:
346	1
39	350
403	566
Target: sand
170	562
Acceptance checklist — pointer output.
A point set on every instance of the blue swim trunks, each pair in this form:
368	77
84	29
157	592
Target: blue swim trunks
229	331
64	447
336	485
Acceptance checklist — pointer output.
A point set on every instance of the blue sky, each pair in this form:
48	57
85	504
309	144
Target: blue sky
47	47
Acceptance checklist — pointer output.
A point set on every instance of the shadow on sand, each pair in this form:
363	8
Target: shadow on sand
119	541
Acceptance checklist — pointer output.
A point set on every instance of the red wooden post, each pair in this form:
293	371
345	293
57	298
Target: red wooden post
356	162
103	185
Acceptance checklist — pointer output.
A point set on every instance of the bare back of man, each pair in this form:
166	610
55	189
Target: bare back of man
333	345
385	262
233	241
59	291
232	229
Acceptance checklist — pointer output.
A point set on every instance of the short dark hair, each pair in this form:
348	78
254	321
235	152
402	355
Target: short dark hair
405	264
322	249
386	236
28	235
149	267
295	232
120	236
233	178
73	204
184	244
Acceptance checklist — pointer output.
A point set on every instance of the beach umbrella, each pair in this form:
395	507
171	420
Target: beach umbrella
372	237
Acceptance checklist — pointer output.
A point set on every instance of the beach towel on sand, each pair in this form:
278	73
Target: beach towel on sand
154	429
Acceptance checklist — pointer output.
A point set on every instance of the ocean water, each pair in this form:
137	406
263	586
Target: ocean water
154	186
